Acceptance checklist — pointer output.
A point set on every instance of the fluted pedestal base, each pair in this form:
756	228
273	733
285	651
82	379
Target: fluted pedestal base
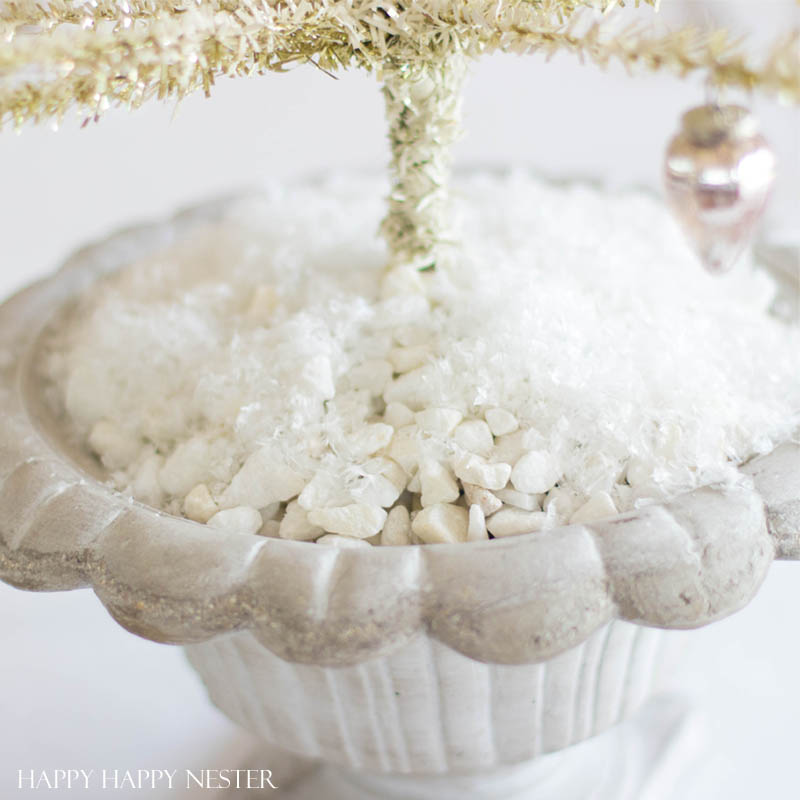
646	758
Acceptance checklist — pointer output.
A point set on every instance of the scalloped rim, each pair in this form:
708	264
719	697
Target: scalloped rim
679	564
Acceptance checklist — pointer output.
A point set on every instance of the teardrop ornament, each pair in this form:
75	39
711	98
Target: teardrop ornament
718	172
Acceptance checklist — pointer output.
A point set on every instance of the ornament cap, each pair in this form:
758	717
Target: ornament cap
711	124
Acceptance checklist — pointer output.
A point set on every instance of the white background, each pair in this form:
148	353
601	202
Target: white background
77	691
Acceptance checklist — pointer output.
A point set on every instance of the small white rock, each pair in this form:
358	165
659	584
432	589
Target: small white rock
598	506
367	440
512	446
373	375
295	524
186	467
146	487
438	420
639	473
199	505
264	478
415	389
317	374
476	528
437	483
474	436
242	519
405	448
378	482
116	448
474	469
324	490
356	519
404	359
398	415
334	540
478	496
534	473
563	501
441	523
397	528
514	521
501	421
527	502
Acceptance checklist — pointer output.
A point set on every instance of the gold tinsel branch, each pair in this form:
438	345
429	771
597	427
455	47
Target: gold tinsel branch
95	55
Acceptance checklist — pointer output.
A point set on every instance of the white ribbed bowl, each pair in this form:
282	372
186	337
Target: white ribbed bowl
427	709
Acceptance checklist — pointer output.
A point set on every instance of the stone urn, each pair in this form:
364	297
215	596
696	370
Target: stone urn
472	670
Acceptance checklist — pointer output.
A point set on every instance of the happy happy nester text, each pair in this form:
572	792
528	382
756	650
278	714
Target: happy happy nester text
111	779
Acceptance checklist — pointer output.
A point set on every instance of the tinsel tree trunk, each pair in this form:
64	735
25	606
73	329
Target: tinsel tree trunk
423	107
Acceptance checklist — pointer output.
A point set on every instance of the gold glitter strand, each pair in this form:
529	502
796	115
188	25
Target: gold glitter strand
423	106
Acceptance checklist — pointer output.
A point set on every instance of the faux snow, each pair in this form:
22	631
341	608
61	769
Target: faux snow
573	361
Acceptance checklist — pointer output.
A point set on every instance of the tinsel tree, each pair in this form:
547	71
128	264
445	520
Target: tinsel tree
99	53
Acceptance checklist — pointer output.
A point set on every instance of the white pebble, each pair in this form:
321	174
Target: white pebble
512	446
356	519
367	440
334	540
478	496
442	523
116	448
146	487
295	524
404	448
416	389
264	478
474	469
199	505
534	473
398	415
501	421
474	436
324	490
242	519
437	483
397	528
438	420
527	502
639	473
404	359
514	521
378	482
372	375
317	376
186	467
476	528
598	506
563	501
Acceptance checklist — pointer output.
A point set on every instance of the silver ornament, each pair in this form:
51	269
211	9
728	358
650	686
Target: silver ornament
718	172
